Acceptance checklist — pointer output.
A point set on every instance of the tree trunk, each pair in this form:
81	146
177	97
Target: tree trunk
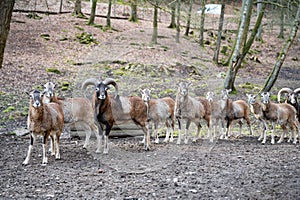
155	26
281	32
173	15
281	58
108	14
93	12
188	23
77	9
6	7
259	31
178	21
133	15
217	50
202	19
60	6
239	56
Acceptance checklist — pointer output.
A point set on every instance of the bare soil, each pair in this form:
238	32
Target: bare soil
238	168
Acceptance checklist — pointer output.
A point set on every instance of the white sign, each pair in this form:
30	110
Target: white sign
212	9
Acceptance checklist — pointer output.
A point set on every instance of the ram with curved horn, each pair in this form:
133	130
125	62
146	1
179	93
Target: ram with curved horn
292	98
110	110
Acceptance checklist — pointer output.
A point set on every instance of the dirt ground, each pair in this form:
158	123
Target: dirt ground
238	168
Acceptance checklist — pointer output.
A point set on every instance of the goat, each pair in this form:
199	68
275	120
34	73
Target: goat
235	110
217	114
76	110
160	110
189	109
283	113
292	98
110	110
46	120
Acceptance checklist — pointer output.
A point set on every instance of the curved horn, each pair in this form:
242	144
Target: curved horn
283	90
90	81
297	91
110	81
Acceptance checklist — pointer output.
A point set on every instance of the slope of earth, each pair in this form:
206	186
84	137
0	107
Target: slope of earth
234	169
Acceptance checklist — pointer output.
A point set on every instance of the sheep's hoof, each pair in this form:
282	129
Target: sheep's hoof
25	163
263	142
222	137
186	142
279	141
171	140
157	141
98	151
147	148
259	139
165	141
105	151
178	142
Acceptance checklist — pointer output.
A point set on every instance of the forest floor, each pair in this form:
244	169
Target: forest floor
238	168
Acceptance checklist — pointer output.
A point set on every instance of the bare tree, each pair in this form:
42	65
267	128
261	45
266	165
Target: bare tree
93	12
77	9
6	8
155	24
281	32
221	21
259	31
108	24
178	21
241	49
133	15
188	23
284	51
173	15
202	19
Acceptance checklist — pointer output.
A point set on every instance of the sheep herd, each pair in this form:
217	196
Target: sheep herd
48	114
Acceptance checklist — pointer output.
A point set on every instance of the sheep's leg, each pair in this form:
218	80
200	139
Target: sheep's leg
57	141
272	133
96	131
197	135
241	127
186	132
146	137
294	131
156	133
284	128
32	139
249	125
264	132
106	134
44	145
51	146
168	125
229	125
87	137
179	132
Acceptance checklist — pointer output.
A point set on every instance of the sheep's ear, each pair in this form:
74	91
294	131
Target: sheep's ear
141	91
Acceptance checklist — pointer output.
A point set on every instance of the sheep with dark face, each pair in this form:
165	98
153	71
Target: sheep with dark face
187	109
160	111
235	110
292	98
283	114
46	120
77	111
110	110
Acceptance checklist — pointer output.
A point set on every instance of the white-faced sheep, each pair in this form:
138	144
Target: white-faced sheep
292	99
160	111
76	111
187	109
283	114
235	110
110	110
217	114
256	107
45	120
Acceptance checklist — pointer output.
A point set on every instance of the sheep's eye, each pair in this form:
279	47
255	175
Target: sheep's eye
97	89
106	88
